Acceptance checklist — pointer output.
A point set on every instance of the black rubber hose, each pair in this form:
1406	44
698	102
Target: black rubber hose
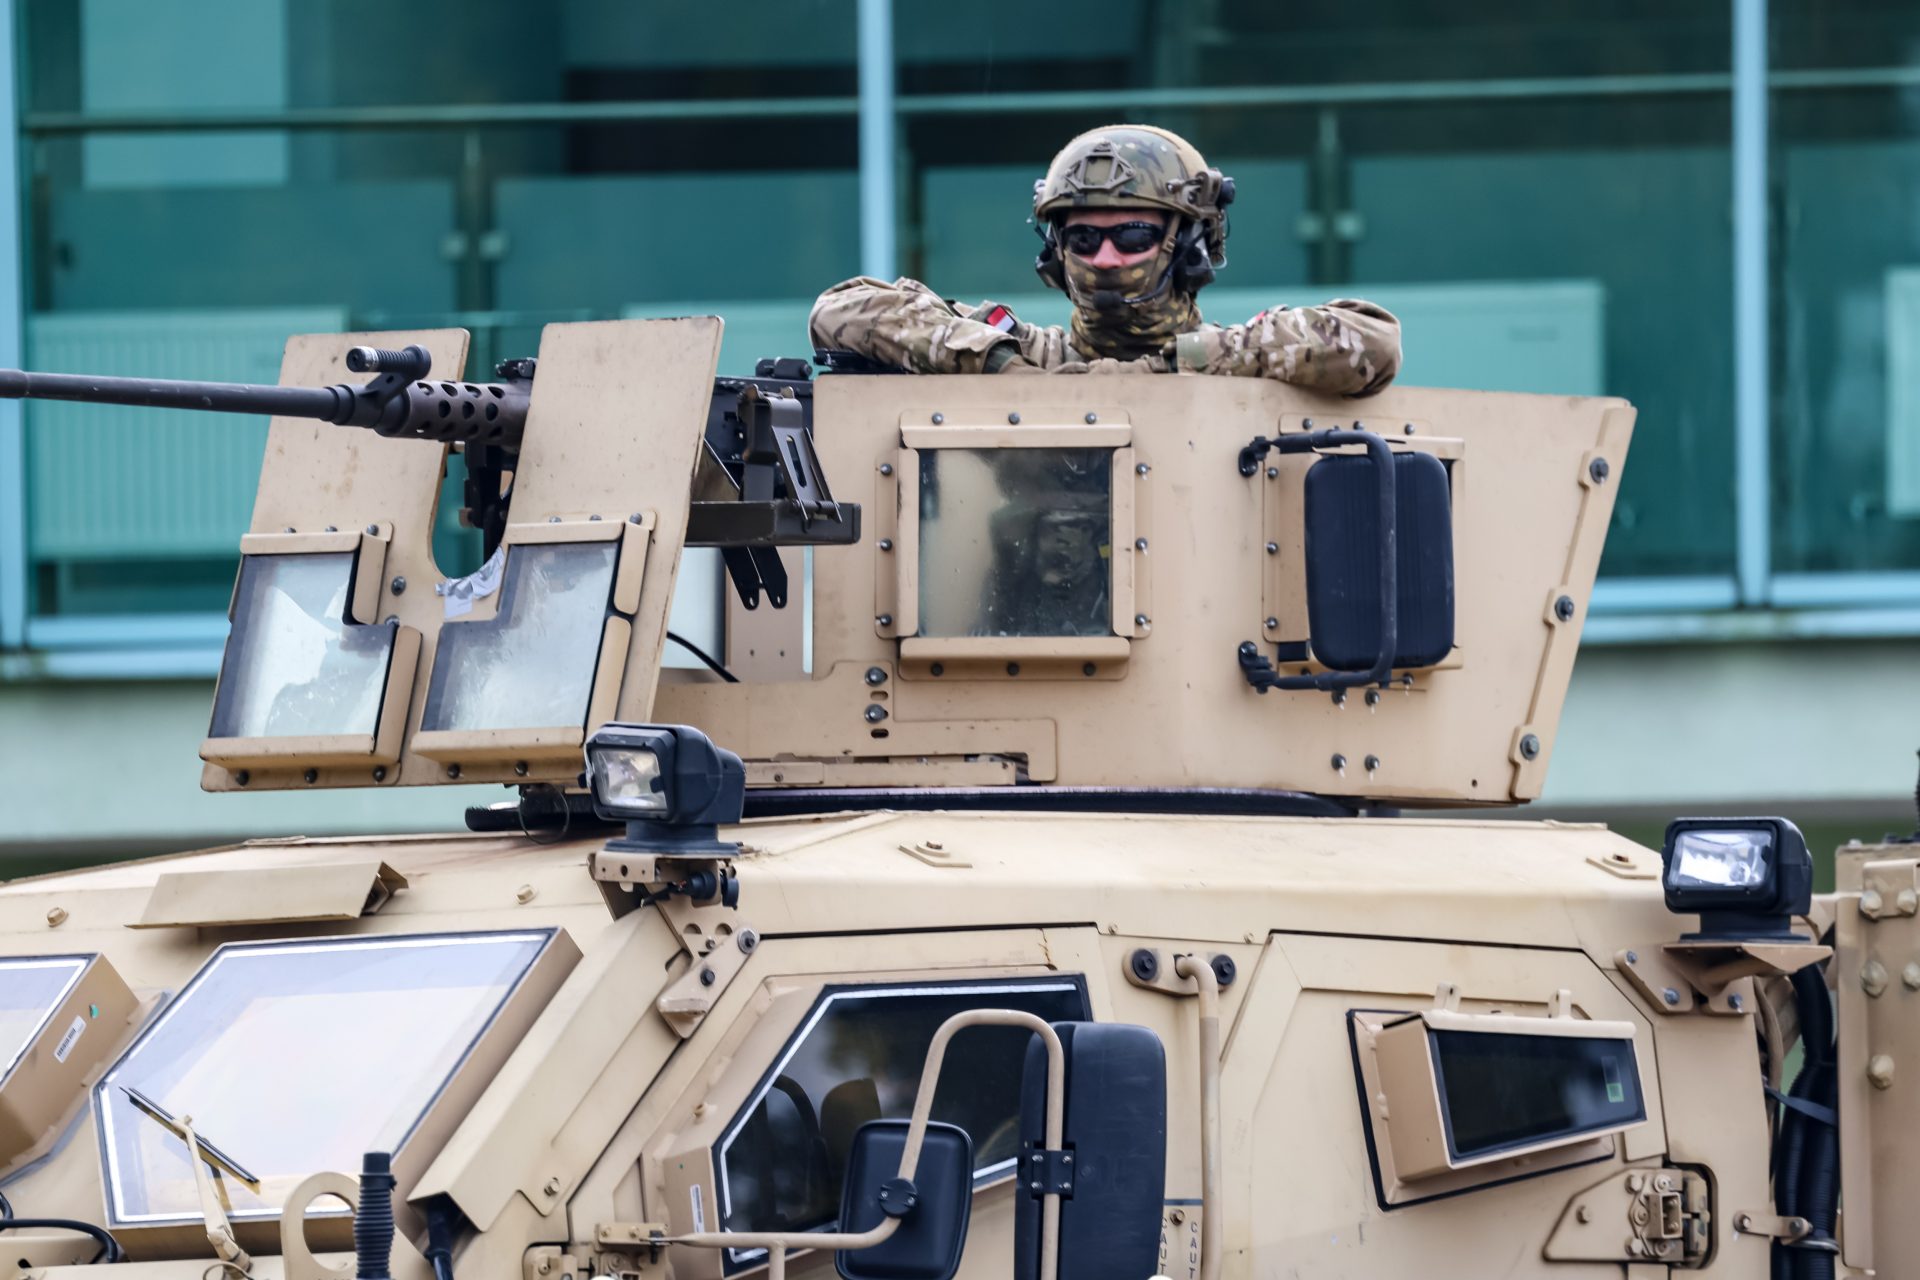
109	1247
443	1224
373	1220
1815	1007
1806	1163
1789	1154
1819	1188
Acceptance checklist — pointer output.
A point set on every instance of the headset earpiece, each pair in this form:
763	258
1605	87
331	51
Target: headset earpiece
1192	264
1049	266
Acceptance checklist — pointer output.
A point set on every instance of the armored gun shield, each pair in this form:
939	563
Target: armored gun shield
347	667
1176	581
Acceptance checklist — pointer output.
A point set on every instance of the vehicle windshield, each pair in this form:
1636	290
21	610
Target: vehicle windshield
298	1057
29	992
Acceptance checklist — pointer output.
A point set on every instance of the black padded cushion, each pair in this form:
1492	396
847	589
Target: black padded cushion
1343	560
1116	1128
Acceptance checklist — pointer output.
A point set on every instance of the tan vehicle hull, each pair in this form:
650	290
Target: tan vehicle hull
570	1139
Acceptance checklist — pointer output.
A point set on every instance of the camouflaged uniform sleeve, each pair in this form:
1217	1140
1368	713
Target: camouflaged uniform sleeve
1044	346
1346	346
904	324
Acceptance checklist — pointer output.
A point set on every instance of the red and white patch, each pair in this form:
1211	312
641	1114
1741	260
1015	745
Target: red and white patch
1000	318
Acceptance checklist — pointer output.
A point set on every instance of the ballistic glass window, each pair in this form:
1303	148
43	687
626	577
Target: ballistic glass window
294	1057
1016	542
294	667
1499	1092
857	1057
30	990
532	665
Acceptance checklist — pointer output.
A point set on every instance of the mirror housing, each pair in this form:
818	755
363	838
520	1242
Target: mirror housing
1113	1190
1343	535
933	1208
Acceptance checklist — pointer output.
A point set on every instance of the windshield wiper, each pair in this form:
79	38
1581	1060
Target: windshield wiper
210	1153
214	1214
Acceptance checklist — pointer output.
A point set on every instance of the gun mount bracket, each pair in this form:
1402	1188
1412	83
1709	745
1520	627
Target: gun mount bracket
762	439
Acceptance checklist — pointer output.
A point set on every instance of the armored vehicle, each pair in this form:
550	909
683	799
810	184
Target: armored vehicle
1022	891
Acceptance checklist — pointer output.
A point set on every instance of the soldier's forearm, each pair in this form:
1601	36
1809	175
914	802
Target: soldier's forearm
1345	347
905	325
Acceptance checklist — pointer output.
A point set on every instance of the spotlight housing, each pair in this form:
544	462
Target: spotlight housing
669	783
1747	878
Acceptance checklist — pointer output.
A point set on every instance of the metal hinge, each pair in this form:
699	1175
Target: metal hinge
1637	1215
628	1248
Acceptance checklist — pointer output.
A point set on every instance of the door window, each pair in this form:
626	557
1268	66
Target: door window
857	1057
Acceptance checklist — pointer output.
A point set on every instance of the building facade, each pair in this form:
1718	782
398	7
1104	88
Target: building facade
1712	209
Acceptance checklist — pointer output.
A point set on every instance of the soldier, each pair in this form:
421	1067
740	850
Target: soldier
1133	224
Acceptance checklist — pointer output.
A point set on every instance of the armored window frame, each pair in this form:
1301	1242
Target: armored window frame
897	584
77	965
366	552
559	741
452	1093
44	1076
1072	986
1403	1101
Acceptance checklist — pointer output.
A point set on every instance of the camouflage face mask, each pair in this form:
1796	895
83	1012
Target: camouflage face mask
1123	313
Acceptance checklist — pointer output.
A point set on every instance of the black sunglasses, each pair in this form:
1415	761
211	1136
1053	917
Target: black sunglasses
1083	240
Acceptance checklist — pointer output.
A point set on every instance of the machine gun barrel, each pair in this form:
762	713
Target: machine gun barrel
758	431
399	402
164	393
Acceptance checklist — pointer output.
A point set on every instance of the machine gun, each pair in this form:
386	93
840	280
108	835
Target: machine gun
759	437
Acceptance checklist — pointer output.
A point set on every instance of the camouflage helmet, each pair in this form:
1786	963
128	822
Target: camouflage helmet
1136	166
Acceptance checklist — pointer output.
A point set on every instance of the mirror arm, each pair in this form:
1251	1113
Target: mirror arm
777	1243
1200	969
1257	667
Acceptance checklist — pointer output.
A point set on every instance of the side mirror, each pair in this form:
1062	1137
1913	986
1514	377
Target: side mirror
1112	1173
933	1209
1343	519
